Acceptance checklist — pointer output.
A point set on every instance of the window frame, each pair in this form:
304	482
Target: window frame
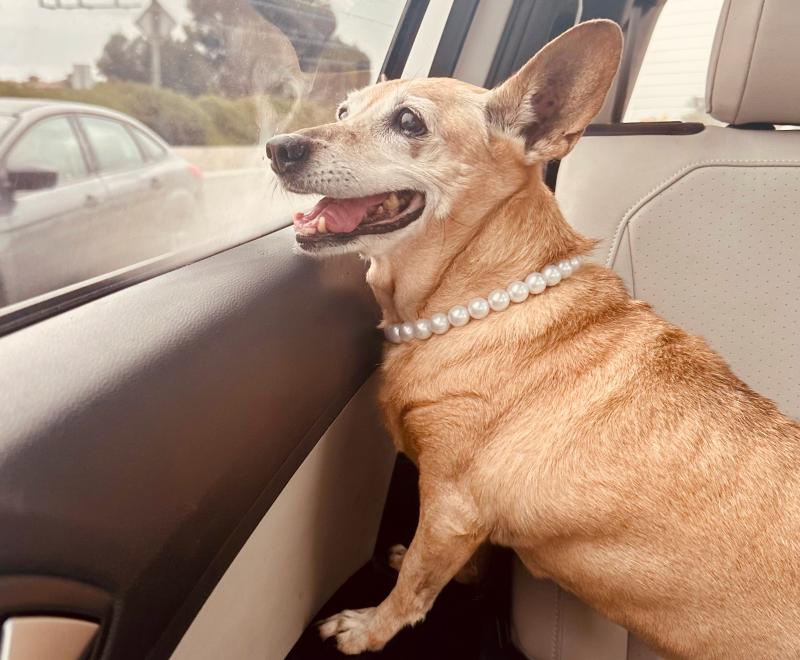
139	136
452	39
27	312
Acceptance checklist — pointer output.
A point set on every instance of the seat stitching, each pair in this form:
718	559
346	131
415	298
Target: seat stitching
630	255
674	178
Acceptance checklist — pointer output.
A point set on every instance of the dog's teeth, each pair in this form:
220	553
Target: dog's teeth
391	203
307	230
321	228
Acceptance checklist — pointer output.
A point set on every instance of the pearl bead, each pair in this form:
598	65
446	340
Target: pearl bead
458	316
478	308
423	329
392	333
535	283
499	300
518	291
406	331
440	323
551	275
565	268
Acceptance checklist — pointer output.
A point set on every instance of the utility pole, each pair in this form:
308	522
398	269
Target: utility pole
156	25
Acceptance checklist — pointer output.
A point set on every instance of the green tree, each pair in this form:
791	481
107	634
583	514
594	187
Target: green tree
125	59
183	68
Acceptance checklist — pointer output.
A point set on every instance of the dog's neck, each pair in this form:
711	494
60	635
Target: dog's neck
477	249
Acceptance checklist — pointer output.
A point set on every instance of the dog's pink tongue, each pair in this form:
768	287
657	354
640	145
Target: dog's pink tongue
341	215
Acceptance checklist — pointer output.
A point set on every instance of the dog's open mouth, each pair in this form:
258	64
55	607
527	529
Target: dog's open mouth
339	220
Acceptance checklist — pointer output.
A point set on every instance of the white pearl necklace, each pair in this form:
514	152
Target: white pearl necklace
479	308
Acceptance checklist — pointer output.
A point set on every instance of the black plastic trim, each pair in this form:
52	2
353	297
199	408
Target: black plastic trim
56	302
532	23
404	37
646	128
459	21
513	34
46	594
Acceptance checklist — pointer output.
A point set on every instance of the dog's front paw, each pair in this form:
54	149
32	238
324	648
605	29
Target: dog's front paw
396	555
352	631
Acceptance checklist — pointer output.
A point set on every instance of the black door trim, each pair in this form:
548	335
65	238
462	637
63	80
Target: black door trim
404	37
145	436
459	21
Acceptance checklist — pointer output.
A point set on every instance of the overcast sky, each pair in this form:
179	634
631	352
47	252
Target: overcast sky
46	43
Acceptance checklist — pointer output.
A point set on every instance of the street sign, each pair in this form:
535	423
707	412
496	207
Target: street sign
155	22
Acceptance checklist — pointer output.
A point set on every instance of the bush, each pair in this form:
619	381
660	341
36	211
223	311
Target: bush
179	119
234	121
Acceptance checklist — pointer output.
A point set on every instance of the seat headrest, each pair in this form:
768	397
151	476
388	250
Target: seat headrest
754	72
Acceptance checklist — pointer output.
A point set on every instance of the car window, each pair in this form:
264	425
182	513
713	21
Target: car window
49	145
112	145
672	81
214	79
152	149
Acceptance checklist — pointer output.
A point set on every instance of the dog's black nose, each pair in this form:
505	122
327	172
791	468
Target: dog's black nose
288	151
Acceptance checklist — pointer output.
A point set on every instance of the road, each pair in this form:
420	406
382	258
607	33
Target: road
246	202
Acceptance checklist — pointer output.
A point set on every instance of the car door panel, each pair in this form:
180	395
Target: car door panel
132	193
320	530
146	433
41	228
46	235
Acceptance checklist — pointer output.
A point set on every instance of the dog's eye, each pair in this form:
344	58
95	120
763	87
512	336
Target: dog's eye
409	123
341	113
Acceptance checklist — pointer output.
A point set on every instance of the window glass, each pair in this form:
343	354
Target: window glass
152	149
215	79
112	145
672	81
49	145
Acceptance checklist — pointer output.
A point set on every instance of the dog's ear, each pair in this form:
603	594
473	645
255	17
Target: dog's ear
550	101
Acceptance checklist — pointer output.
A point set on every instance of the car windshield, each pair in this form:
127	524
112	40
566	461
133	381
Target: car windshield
5	124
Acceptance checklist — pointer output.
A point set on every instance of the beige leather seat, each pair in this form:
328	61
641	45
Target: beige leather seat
705	227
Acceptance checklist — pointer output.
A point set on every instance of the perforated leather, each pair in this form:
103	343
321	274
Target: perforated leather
711	244
716	252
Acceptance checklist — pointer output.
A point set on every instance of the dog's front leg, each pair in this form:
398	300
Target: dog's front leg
445	539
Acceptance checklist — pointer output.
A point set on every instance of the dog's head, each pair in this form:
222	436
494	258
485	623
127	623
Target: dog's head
406	154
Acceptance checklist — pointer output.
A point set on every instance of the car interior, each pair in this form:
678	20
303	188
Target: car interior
193	463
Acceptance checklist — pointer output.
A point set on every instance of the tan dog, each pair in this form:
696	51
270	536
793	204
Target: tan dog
613	452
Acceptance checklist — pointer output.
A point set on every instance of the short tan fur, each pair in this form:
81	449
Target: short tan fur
615	453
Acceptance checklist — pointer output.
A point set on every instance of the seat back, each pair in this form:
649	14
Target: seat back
705	226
